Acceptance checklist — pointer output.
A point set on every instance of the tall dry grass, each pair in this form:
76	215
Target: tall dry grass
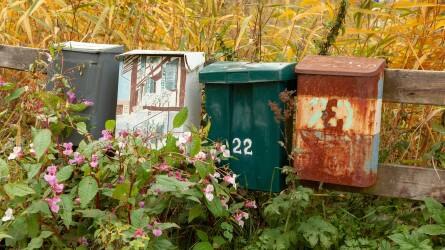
409	34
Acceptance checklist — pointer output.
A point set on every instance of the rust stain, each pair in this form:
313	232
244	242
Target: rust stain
336	129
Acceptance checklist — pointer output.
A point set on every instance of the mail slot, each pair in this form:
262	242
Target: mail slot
339	102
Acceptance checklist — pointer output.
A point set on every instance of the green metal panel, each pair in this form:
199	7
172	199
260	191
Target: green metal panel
240	115
244	72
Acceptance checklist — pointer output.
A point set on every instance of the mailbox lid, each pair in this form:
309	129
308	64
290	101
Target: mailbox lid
246	72
93	48
193	60
340	66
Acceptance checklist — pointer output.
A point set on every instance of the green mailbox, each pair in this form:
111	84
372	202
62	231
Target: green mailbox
237	101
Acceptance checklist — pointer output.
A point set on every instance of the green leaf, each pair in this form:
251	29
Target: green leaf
77	107
432	229
35	243
203	169
17	189
218	241
170	184
202	235
215	207
170	145
138	218
196	145
16	94
203	246
87	190
317	231
32	170
195	212
167	225
92	213
37	207
64	173
110	125
180	118
81	128
122	192
67	205
3	235
41	141
4	169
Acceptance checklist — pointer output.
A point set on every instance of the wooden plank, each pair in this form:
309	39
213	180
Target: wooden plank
414	86
20	58
401	181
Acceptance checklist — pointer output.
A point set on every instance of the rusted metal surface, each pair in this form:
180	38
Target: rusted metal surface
340	66
338	121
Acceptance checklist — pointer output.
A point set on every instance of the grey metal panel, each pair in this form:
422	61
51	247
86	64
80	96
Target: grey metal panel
94	77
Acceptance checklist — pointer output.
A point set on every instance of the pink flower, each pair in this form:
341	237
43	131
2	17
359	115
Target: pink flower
201	156
106	135
52	170
123	133
208	192
94	161
184	138
83	241
51	178
88	103
17	152
225	152
121	179
71	96
240	216
52	202
139	233
77	201
250	204
58	188
141	204
178	175
50	175
164	167
230	180
78	159
68	149
157	232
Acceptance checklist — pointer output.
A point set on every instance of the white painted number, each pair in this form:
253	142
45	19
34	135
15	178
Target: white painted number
247	143
236	148
247	146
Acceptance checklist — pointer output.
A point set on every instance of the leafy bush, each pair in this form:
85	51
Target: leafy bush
120	192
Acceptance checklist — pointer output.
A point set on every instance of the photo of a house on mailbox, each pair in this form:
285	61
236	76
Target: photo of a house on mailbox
154	86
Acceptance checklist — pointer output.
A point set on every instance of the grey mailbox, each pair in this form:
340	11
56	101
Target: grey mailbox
94	73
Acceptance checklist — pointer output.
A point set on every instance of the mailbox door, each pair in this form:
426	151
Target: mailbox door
241	116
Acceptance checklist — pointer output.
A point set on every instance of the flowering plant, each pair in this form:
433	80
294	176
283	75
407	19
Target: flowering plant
120	192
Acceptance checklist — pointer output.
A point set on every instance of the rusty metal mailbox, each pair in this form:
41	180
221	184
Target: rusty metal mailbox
339	103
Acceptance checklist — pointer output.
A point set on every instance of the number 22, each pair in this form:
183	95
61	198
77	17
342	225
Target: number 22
247	143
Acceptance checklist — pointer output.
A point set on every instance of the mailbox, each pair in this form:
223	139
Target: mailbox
237	97
93	73
339	103
154	86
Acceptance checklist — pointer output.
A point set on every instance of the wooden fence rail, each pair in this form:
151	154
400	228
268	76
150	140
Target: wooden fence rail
401	86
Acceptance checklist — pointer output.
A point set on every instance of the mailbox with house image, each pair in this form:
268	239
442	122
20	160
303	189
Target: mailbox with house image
154	86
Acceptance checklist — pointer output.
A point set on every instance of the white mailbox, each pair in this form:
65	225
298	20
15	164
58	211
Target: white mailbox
153	86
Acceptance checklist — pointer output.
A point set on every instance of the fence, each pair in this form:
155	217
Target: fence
401	86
